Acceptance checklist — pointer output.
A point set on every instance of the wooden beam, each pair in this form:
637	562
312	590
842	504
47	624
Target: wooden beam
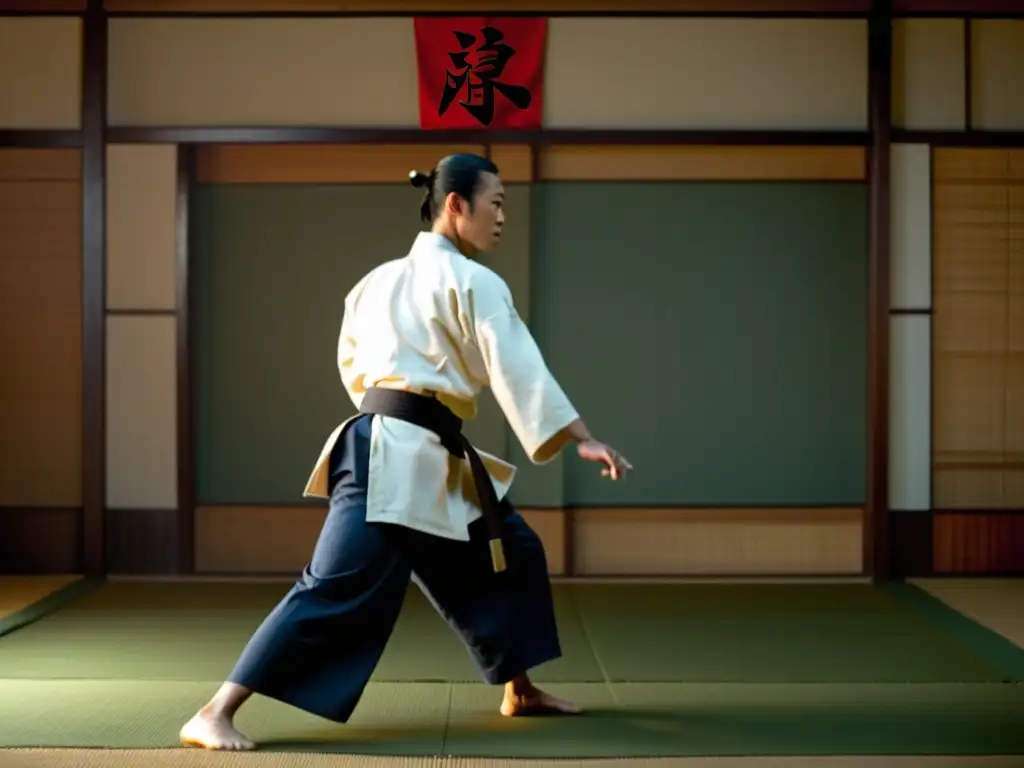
958	7
826	8
317	163
973	138
323	135
41	7
39	139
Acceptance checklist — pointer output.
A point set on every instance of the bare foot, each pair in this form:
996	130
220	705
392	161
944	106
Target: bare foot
535	702
209	731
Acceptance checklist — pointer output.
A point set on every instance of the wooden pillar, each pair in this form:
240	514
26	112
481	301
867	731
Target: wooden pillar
876	517
94	289
186	447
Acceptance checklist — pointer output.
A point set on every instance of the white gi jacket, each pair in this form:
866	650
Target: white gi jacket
436	322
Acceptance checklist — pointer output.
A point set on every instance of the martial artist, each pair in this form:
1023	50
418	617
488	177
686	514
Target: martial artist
409	496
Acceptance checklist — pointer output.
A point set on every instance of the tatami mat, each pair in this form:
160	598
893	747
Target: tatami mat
197	759
19	592
771	633
625	720
621	633
686	670
995	603
195	631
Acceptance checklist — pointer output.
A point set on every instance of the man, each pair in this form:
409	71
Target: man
409	497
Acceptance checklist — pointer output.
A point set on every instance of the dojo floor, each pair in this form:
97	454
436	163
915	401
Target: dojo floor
714	672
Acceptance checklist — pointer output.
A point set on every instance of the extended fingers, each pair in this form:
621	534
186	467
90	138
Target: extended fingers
620	461
616	465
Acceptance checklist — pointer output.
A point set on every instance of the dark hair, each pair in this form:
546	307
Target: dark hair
455	173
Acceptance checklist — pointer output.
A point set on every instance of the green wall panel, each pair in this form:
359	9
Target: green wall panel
713	332
272	265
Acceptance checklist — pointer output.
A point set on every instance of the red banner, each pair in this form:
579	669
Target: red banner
481	72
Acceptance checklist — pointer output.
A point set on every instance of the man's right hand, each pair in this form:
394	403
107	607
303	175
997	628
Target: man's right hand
615	465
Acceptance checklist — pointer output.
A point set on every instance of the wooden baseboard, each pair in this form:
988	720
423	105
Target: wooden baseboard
145	542
910	544
725	542
142	541
979	542
584	542
40	540
975	542
271	540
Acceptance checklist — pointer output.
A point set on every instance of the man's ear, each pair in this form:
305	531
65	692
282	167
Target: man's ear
454	203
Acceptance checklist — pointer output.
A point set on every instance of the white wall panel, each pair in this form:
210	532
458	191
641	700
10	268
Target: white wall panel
141	226
220	71
928	74
141	412
910	414
911	226
706	73
997	74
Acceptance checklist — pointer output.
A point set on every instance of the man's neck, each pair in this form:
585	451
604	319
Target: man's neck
447	231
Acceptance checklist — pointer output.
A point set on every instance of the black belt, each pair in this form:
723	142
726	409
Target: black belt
431	414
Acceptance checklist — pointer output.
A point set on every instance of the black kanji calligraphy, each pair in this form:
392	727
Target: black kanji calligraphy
481	78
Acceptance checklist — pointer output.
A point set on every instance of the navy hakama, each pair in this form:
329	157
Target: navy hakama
319	646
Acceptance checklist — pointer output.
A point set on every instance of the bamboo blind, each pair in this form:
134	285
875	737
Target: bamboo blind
978	336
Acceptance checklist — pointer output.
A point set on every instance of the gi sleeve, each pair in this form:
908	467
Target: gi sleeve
350	378
535	405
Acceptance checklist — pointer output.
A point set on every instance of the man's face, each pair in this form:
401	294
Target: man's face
481	227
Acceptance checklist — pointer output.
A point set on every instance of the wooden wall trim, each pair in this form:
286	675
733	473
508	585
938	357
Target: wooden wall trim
42	6
318	163
957	7
348	163
693	163
876	518
515	161
41	139
828	8
94	280
322	135
740	8
314	135
139	312
962	139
